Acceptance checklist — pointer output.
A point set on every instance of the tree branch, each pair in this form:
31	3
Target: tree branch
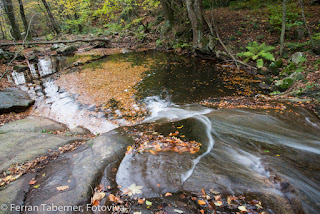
56	42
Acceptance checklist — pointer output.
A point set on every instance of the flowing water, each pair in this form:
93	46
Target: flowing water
270	154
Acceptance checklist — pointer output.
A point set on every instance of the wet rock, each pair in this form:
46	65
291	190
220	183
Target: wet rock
80	170
101	44
284	83
79	130
33	124
33	58
157	174
57	46
297	57
20	68
297	75
67	50
166	171
14	194
13	100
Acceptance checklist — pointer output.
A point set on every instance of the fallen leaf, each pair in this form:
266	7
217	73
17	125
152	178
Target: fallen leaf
178	211
202	211
98	196
148	203
217	197
62	188
36	186
203	191
218	203
168	194
134	189
141	201
242	208
201	202
111	197
32	182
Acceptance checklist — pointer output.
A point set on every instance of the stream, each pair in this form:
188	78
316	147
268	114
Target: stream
263	153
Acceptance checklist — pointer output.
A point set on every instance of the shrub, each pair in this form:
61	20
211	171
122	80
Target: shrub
258	52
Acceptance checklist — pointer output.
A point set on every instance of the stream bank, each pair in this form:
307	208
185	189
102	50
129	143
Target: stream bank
257	159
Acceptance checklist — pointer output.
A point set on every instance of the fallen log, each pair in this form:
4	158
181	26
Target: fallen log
55	42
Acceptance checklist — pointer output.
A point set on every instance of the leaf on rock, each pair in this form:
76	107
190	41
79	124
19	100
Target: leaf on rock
62	188
168	194
98	196
218	203
201	202
32	182
148	203
134	189
242	208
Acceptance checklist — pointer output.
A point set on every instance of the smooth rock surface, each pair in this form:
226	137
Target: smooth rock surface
14	100
20	147
13	194
33	124
81	170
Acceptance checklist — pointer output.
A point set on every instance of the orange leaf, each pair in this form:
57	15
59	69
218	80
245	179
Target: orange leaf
111	197
202	211
201	202
203	191
62	188
217	197
32	182
141	200
168	194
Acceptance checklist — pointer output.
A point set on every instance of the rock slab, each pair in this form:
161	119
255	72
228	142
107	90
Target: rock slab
14	100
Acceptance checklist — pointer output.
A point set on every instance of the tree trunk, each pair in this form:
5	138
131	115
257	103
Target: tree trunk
306	25
52	20
167	12
194	9
8	8
79	25
24	19
2	31
283	30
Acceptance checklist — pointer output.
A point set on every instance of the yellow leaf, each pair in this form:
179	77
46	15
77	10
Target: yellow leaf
242	208
98	196
218	203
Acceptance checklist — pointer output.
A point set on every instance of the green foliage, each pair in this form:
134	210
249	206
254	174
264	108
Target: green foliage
257	52
250	4
295	46
123	9
275	93
181	45
293	17
316	36
159	42
49	37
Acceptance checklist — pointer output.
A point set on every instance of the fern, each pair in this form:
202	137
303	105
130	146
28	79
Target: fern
257	52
